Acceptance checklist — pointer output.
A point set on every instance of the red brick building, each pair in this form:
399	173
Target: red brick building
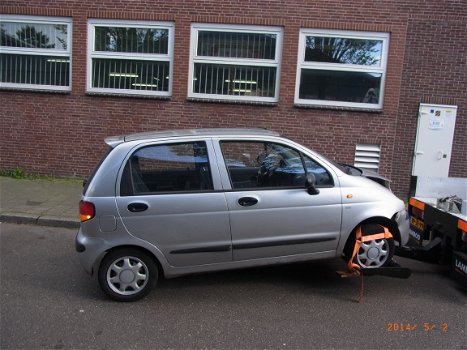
341	77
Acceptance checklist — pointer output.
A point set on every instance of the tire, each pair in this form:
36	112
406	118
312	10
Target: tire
127	274
372	254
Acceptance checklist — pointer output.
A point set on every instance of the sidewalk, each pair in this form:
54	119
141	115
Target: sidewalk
43	202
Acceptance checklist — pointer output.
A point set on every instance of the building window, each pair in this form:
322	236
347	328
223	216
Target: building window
238	63
35	53
130	57
343	69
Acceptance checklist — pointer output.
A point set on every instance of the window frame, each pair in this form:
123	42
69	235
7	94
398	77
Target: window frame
340	67
231	28
91	54
40	52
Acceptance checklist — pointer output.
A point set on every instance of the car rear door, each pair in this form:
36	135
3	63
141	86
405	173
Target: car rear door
271	213
168	197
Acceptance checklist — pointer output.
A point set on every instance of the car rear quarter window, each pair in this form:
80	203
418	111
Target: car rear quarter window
180	167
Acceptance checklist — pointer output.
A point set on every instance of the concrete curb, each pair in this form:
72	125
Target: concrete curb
39	220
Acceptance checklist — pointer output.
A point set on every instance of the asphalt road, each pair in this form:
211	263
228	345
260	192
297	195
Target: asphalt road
48	302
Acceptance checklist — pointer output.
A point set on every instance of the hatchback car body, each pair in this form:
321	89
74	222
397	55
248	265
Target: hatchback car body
180	202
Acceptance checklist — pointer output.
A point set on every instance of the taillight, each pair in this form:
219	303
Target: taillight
86	211
462	226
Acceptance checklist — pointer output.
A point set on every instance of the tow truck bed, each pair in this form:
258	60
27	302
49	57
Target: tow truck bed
437	236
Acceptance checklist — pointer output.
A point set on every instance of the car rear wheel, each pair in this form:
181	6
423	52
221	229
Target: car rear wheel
127	274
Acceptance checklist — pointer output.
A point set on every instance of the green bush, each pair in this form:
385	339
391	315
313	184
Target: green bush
16	173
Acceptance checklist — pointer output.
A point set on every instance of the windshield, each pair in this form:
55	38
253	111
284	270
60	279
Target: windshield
342	167
350	170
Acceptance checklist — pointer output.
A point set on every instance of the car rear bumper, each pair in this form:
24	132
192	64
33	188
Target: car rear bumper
90	251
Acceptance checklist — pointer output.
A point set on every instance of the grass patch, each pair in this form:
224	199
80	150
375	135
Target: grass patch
21	174
16	173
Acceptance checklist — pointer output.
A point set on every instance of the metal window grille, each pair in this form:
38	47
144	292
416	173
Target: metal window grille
130	75
233	63
234	80
367	156
35	70
130	57
35	53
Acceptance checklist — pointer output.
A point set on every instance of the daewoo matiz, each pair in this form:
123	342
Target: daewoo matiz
187	201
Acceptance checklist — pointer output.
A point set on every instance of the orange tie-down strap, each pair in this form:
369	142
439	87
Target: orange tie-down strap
354	269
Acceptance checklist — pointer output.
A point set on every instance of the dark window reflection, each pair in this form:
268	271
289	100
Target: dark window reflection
237	45
343	50
138	40
356	87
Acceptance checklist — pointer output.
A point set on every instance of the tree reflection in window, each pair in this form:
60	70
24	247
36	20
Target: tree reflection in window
343	50
34	36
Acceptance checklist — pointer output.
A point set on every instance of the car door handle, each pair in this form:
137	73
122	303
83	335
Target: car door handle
137	207
247	201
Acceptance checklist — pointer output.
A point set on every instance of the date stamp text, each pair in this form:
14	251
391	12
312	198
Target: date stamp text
427	327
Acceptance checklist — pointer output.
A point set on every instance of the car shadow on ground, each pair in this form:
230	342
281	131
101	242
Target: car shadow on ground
319	277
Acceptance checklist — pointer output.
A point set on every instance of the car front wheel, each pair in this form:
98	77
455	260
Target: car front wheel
374	253
127	274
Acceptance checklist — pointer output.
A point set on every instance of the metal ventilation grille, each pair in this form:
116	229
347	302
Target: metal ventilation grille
367	157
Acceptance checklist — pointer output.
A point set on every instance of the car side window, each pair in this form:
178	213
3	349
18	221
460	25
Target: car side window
181	167
262	164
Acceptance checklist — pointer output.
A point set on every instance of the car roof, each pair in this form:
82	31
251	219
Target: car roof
150	135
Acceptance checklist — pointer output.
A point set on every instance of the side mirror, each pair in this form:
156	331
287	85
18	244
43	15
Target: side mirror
310	184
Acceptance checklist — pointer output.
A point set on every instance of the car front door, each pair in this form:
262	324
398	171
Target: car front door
167	197
271	212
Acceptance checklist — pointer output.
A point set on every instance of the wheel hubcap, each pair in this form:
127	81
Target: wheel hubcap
127	275
373	253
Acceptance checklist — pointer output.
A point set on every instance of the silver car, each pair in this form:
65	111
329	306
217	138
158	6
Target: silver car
179	202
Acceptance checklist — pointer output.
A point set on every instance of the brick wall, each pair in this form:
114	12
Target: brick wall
62	134
435	71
